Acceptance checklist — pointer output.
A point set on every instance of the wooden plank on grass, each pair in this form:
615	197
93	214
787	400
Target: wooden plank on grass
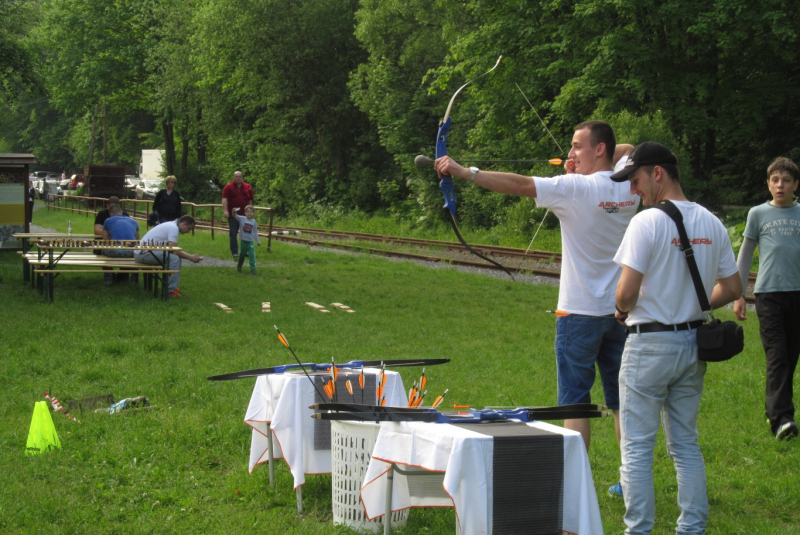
265	307
317	307
224	307
343	307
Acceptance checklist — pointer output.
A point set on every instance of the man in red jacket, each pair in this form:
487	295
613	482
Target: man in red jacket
237	194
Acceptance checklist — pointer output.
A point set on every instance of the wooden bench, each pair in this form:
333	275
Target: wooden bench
56	259
27	238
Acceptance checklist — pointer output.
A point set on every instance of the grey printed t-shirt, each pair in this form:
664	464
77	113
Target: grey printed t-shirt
777	231
248	229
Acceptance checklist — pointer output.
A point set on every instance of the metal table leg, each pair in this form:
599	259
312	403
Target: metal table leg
387	516
271	456
299	493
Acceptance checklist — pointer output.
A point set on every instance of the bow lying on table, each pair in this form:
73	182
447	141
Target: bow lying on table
326	366
330	367
374	413
446	182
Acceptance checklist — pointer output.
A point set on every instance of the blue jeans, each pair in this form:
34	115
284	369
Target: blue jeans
112	253
582	341
233	234
661	376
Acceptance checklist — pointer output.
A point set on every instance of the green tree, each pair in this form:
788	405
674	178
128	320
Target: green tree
276	74
17	65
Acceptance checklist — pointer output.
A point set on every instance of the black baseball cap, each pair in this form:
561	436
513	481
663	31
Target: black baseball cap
647	153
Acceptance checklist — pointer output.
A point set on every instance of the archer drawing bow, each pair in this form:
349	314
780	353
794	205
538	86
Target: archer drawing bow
446	181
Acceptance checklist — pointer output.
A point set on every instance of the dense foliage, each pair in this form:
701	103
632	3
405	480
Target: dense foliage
324	103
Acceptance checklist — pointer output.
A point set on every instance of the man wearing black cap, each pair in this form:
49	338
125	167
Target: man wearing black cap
661	377
594	213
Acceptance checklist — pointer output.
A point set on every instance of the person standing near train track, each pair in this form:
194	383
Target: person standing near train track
237	194
594	213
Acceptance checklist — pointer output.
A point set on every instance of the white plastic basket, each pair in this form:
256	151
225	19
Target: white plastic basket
351	449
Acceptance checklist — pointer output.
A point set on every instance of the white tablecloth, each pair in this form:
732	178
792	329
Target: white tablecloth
465	457
283	400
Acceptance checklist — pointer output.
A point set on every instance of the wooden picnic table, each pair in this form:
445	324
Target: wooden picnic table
74	255
26	237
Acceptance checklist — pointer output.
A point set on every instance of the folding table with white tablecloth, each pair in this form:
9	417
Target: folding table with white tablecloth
280	403
508	477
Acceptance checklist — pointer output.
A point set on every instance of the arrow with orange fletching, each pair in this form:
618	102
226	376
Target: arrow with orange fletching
422	161
285	342
440	399
361	383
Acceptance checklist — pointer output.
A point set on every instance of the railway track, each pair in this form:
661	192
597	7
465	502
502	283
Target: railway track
493	250
516	256
412	256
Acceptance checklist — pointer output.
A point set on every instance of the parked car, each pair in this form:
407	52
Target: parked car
131	182
38	184
63	183
53	186
76	181
148	187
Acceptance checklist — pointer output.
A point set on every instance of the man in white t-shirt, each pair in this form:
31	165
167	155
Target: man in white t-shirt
661	378
594	212
167	234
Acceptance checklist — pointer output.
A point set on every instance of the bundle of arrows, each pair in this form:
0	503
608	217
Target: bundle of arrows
376	413
417	393
332	369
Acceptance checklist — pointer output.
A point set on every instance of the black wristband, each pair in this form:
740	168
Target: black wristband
621	312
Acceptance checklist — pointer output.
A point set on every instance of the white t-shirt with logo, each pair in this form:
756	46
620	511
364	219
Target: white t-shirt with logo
594	212
161	234
651	246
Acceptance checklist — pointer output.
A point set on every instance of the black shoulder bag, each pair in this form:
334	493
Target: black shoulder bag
716	340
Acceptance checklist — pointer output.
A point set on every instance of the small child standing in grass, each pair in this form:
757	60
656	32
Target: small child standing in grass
248	233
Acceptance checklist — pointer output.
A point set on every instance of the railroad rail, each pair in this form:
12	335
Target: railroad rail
493	250
331	238
411	256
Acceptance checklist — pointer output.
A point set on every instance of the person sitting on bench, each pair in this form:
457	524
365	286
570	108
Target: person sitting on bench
119	227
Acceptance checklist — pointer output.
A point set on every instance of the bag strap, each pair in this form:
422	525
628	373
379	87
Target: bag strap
672	211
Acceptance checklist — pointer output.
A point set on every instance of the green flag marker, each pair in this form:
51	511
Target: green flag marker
42	435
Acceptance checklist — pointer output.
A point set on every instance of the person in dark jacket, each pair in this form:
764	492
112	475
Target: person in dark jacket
168	201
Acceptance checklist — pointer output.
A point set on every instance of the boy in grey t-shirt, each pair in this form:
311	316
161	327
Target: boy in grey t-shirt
775	227
248	234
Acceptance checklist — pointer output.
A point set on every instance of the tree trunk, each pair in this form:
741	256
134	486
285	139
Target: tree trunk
94	131
202	139
169	146
185	155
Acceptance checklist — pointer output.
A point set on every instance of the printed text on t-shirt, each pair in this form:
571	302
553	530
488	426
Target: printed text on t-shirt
696	241
613	207
783	227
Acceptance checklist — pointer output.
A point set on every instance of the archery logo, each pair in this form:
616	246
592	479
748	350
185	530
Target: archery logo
613	207
697	241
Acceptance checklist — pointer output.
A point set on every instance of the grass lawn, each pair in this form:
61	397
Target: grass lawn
182	467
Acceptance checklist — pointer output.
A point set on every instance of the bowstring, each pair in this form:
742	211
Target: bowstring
547	211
